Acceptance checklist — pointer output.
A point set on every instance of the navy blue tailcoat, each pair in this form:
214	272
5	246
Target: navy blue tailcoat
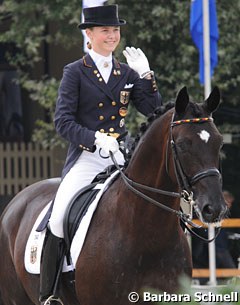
87	104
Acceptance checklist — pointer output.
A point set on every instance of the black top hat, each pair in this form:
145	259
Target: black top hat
101	16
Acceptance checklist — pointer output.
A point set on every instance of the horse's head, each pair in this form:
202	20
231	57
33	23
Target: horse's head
196	145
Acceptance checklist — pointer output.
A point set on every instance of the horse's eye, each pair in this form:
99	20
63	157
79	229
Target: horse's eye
184	145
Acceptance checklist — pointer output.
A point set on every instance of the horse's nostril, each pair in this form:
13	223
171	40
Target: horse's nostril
208	210
212	213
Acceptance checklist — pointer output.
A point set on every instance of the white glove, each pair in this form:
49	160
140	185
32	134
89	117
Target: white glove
106	143
137	60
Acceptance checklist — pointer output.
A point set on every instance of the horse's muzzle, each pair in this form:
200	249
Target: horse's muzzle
211	212
212	215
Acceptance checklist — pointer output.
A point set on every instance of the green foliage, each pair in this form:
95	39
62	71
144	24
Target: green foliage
44	92
229	46
29	22
161	29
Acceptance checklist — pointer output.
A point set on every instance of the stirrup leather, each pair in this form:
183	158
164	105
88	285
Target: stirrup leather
51	299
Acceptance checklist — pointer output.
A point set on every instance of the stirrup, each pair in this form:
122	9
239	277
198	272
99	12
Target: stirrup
51	299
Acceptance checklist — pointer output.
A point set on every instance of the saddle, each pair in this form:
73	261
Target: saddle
100	178
81	202
76	223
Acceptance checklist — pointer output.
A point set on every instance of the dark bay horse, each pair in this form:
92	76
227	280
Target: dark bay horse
135	241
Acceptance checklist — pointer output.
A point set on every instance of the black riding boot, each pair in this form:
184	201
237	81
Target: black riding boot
51	265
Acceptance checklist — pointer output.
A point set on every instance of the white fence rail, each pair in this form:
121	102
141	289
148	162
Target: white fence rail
22	164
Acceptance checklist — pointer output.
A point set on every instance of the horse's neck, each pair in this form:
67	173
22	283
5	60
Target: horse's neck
151	160
149	167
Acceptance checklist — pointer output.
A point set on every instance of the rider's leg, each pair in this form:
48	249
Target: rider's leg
51	262
81	174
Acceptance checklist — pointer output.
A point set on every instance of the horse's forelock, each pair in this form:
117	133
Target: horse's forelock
195	110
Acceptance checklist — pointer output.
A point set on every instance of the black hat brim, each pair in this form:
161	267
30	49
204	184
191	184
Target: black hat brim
85	25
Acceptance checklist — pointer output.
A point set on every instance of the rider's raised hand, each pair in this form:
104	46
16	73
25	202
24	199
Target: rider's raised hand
137	60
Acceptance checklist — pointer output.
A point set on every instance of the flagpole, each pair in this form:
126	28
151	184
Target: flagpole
207	90
206	48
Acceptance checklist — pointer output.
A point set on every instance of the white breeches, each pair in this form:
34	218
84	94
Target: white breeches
81	174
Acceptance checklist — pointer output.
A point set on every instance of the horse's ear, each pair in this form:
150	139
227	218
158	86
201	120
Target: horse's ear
182	100
212	102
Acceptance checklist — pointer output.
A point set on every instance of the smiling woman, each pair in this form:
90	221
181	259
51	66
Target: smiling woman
92	104
104	40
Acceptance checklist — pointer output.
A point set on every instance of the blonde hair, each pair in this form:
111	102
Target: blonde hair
89	45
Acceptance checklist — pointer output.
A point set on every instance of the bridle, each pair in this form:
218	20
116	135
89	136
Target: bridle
185	183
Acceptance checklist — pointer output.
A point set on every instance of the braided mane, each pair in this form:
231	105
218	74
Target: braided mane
145	126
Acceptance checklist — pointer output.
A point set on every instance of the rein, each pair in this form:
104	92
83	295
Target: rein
184	182
131	185
185	218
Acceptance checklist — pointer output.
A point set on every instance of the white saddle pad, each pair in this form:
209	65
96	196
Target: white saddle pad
35	241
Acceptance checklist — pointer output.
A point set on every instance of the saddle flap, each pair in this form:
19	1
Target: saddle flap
76	211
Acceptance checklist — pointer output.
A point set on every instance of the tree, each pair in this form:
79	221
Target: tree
28	29
160	28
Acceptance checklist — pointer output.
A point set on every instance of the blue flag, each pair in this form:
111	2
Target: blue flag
196	29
